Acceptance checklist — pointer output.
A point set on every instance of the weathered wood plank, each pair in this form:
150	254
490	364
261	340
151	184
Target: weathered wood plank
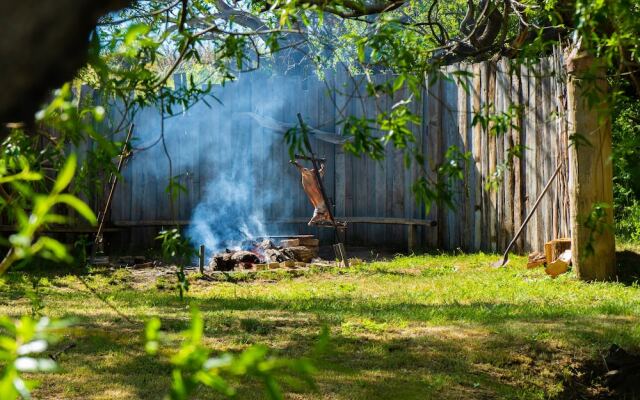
463	126
434	153
509	179
516	135
477	155
491	169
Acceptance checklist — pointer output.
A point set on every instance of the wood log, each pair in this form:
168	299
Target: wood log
536	259
300	253
222	262
560	265
245	257
275	255
290	243
309	242
555	247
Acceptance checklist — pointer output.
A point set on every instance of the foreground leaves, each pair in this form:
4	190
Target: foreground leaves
194	367
21	346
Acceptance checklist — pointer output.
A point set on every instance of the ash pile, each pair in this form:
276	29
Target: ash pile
267	254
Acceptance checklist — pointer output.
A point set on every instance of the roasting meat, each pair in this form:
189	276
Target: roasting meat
311	187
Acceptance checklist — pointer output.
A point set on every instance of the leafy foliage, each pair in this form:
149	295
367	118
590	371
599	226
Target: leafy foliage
21	342
626	183
193	365
23	243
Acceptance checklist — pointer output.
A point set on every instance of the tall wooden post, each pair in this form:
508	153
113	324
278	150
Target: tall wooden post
590	169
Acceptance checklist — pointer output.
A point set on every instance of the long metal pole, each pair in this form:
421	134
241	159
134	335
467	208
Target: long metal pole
505	256
317	174
113	179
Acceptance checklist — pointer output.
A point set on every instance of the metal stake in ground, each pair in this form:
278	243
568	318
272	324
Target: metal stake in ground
342	253
113	180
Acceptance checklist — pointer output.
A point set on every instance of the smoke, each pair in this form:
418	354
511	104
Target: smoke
236	198
226	216
223	158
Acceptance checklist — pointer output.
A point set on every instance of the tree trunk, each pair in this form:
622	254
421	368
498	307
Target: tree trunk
590	169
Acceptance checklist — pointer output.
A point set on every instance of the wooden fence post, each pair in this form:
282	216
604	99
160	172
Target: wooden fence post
590	169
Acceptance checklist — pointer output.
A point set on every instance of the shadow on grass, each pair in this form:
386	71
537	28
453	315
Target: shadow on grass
427	364
423	366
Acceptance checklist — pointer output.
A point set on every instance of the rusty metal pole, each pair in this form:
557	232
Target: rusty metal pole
113	180
340	252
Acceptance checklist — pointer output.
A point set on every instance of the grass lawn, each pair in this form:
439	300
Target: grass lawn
432	326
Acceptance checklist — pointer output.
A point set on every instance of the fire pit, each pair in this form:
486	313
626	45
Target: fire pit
284	251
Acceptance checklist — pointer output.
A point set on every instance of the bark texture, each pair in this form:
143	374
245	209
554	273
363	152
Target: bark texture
590	168
42	45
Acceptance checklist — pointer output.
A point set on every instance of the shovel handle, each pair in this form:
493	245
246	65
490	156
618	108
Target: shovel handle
535	206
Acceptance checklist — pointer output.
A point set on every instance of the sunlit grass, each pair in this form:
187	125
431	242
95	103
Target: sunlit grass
432	326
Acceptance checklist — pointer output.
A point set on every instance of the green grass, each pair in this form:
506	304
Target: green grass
433	326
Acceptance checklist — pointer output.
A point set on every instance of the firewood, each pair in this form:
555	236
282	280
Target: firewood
300	253
560	265
266	244
274	265
536	259
245	257
555	247
290	243
288	264
223	262
309	242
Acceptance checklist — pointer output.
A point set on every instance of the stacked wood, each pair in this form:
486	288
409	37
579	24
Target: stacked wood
536	259
303	248
290	243
277	255
555	247
267	255
300	253
312	244
309	242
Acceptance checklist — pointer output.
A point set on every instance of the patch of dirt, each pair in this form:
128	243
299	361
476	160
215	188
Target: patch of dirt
615	375
628	266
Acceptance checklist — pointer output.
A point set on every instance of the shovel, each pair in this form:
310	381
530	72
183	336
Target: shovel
505	257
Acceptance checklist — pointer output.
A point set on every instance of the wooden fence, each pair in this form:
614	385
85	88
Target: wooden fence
201	140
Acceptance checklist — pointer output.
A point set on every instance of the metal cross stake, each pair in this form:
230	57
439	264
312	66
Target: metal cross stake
98	256
339	248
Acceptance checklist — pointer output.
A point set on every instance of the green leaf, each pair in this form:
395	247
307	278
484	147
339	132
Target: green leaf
57	249
397	84
80	206
66	174
152	335
134	32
